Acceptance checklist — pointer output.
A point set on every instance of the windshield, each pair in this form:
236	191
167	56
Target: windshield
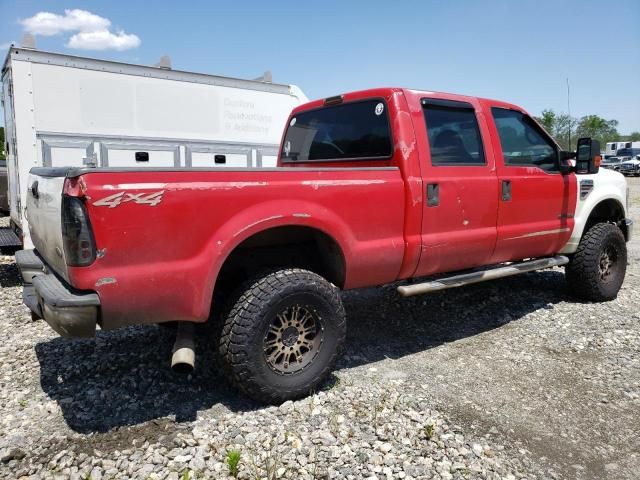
356	130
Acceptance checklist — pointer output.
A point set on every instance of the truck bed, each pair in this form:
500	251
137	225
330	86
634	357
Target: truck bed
162	235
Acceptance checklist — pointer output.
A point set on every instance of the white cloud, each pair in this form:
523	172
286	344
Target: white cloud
90	31
46	23
103	40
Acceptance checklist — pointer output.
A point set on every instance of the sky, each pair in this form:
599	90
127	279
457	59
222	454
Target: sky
518	51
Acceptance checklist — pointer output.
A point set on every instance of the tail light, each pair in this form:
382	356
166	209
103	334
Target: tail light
77	235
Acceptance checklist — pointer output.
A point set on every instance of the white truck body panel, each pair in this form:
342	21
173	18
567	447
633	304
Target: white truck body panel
62	110
593	189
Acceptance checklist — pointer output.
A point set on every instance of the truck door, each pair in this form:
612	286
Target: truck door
461	187
537	202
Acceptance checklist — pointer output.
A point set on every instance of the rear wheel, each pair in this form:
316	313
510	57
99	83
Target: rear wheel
282	335
598	267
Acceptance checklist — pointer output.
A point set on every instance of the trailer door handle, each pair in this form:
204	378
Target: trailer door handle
506	190
433	194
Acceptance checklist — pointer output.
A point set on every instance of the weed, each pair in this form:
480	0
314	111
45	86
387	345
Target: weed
333	382
428	431
268	467
23	403
385	400
378	407
185	474
312	404
346	382
316	473
334	424
233	462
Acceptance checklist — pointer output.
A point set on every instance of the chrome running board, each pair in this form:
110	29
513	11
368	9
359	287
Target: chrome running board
478	276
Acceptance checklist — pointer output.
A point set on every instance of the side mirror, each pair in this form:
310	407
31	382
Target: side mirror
588	156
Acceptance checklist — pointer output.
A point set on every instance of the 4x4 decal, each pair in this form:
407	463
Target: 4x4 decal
112	201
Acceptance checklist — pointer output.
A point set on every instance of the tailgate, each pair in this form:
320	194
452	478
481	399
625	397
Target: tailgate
44	206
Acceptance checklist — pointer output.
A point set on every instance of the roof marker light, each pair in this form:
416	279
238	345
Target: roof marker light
333	100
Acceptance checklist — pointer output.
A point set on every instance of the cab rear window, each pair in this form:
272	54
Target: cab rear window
349	131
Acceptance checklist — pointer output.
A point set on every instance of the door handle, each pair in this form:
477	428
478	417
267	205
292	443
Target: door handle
433	194
506	190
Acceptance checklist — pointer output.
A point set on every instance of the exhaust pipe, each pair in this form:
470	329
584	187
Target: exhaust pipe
183	359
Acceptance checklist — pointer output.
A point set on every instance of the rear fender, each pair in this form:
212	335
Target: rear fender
270	215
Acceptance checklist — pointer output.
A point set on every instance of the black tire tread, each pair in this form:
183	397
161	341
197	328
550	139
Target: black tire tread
582	272
234	338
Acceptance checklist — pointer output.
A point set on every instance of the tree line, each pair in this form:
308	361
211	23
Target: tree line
566	129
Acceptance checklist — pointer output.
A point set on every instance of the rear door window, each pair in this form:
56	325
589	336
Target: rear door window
348	131
454	136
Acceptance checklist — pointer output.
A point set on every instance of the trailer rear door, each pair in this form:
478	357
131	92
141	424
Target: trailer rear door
11	144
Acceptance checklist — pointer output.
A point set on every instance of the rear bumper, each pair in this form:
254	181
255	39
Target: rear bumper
69	312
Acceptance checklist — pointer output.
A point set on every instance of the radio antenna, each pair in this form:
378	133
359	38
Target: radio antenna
569	110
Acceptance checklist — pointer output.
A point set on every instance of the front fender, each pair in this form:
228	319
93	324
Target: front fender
607	185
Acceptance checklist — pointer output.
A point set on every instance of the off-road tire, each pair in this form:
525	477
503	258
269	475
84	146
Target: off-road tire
261	302
584	272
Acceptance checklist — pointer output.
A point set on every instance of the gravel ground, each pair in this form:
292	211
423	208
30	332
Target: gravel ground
510	379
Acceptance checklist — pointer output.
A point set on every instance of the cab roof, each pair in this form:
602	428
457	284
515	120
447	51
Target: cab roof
385	92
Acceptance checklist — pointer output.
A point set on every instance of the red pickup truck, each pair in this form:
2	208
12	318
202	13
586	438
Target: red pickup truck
427	189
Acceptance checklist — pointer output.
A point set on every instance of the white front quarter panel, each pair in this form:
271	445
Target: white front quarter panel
607	184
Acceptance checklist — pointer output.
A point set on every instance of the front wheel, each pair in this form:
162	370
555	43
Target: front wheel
283	335
598	267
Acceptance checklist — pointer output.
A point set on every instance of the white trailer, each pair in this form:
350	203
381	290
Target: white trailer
63	110
613	147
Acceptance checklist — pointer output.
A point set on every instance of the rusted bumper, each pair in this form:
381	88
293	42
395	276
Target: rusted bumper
69	312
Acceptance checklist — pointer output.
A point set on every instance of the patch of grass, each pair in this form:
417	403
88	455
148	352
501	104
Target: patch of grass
233	462
269	465
428	431
379	406
316	472
311	404
23	403
185	474
333	382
